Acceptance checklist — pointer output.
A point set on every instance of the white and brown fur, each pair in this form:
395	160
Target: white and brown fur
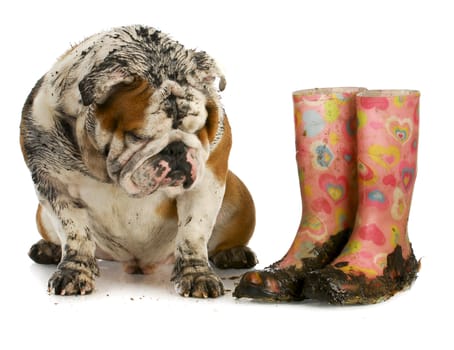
108	106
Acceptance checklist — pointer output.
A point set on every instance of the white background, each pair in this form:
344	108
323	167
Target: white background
268	49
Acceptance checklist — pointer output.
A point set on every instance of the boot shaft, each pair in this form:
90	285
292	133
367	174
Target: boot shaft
323	113
387	145
325	138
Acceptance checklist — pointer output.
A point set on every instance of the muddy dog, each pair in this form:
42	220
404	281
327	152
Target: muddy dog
128	145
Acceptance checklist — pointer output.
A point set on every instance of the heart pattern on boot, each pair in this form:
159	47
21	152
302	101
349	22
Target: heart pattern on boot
314	227
386	157
365	172
399	206
321	205
372	233
375	102
335	187
407	174
376	198
399	129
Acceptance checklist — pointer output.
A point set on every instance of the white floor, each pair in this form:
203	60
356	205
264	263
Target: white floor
268	49
136	311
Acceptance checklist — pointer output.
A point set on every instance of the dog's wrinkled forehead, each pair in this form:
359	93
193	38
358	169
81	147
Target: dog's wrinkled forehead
177	102
151	55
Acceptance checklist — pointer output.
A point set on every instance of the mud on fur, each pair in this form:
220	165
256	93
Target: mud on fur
126	138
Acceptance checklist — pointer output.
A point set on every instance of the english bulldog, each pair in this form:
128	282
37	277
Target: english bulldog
128	145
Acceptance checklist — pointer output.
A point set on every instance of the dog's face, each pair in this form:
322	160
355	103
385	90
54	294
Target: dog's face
150	138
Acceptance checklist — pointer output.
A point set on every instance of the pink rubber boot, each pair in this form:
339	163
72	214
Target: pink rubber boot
378	259
325	130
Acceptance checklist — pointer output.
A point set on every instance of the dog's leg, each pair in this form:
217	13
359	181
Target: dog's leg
78	267
197	212
234	227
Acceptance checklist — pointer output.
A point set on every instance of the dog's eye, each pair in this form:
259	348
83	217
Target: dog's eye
134	137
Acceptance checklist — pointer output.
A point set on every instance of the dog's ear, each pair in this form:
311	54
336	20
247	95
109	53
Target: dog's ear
99	84
208	71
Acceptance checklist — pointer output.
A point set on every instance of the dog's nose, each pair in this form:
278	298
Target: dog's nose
175	150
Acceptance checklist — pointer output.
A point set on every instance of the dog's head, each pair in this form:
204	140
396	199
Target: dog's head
147	137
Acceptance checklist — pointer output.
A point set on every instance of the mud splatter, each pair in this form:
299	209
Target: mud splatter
274	283
336	287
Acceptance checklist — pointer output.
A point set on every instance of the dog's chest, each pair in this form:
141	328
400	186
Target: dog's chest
126	228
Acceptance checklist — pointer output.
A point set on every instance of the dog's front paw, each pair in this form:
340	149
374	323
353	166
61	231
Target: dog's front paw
194	278
74	278
70	282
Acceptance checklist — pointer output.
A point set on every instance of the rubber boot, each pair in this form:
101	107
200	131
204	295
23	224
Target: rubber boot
325	130
378	259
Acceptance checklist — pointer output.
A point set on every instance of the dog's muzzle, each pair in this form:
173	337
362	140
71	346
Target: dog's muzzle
174	166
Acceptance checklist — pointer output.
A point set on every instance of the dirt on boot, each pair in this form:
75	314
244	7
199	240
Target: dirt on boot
286	284
337	287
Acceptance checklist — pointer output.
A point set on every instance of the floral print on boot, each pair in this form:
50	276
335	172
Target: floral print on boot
325	130
378	259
